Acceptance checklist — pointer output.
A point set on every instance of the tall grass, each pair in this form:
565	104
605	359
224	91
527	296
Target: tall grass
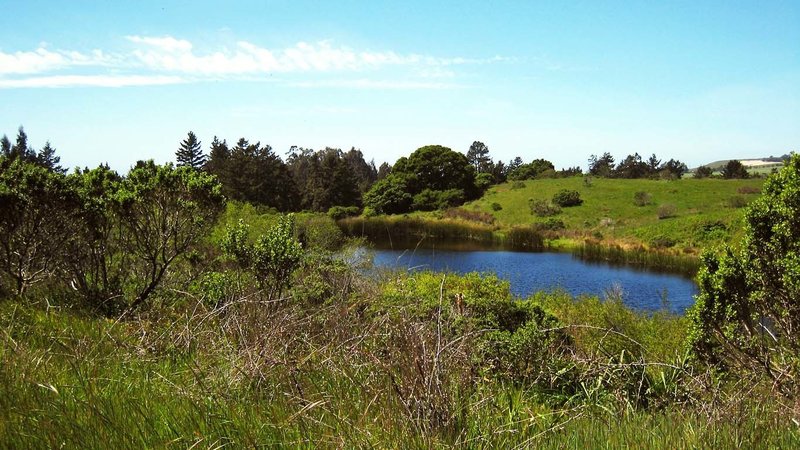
399	232
374	364
687	265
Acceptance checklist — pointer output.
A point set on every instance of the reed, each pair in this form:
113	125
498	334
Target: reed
687	265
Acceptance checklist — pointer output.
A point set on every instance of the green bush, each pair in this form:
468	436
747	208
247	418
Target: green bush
496	206
341	212
746	316
666	211
551	224
543	208
641	198
566	198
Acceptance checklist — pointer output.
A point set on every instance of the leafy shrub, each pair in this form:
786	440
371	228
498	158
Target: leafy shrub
641	198
667	210
341	212
496	206
518	185
745	317
216	288
551	224
543	208
566	198
272	258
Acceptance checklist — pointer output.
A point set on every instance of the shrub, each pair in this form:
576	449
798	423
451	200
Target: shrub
746	316
566	198
551	224
734	169
641	198
543	208
703	172
518	185
496	206
272	258
666	211
341	212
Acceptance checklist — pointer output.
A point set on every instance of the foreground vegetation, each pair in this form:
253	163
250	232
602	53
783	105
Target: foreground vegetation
388	365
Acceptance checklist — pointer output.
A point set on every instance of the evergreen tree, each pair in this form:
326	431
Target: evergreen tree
384	170
47	158
5	146
21	149
190	153
478	157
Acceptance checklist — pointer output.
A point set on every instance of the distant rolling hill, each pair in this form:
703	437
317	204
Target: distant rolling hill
753	164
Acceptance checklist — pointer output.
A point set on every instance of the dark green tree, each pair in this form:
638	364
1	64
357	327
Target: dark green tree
47	158
703	172
734	169
747	314
632	167
390	195
531	170
674	168
5	146
478	157
190	153
21	149
383	171
602	166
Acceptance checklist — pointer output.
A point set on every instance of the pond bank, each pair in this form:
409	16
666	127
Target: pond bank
401	232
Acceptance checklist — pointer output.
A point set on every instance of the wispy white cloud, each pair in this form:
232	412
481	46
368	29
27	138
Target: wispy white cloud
365	83
168	60
60	81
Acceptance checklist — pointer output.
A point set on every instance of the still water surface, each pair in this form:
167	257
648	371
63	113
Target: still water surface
531	272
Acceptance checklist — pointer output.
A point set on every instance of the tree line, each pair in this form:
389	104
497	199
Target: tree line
633	166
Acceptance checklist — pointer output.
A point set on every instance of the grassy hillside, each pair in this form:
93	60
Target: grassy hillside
702	212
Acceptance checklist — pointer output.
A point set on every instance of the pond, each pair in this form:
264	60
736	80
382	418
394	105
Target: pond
531	272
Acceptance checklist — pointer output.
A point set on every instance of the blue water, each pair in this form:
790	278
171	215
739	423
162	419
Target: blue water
532	272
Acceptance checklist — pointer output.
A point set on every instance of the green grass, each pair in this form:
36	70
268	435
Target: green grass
336	375
609	214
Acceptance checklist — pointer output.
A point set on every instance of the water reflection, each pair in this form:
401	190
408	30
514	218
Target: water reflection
531	272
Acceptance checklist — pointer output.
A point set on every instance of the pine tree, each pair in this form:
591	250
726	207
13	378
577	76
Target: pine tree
47	158
5	146
21	149
190	153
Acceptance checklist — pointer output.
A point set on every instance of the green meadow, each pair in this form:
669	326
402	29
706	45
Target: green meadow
687	214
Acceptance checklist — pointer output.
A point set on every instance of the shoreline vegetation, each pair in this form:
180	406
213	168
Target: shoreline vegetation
409	232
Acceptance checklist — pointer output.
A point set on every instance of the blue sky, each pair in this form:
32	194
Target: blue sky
120	81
